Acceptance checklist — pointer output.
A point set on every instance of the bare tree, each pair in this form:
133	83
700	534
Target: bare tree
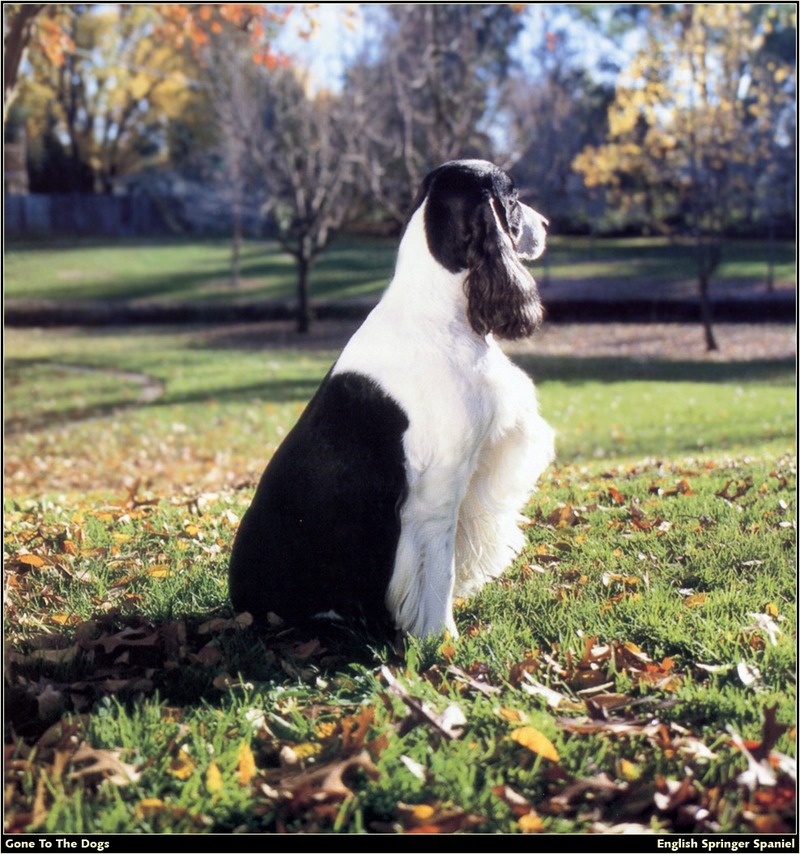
303	156
426	97
232	82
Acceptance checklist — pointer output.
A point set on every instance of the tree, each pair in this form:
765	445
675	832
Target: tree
25	25
552	113
304	155
113	95
426	96
684	128
231	48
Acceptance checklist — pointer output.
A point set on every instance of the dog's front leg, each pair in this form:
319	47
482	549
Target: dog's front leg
420	594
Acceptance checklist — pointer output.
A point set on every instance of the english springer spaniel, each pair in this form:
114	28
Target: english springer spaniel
400	486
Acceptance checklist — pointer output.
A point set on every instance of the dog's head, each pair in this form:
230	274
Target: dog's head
474	222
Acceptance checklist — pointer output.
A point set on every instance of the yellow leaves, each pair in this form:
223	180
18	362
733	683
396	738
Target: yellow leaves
182	767
628	770
420	813
159	570
65	619
781	74
530	822
306	749
510	715
213	778
148	807
246	766
535	741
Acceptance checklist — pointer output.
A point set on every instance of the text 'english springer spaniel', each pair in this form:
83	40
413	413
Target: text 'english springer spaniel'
400	486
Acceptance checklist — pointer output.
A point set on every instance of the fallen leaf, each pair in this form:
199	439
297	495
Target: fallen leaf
536	742
449	723
213	778
182	766
750	675
246	764
416	768
103	764
553	698
531	822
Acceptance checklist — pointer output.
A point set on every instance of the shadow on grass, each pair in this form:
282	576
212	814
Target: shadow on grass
614	370
184	661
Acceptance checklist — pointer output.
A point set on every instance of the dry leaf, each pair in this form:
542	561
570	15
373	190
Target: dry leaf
531	823
536	742
104	764
213	778
182	766
247	764
448	723
417	769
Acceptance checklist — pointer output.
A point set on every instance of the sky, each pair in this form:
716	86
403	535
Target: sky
344	30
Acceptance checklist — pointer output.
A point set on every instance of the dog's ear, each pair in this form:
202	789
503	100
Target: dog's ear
502	297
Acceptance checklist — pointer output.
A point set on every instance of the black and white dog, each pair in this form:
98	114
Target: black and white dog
400	486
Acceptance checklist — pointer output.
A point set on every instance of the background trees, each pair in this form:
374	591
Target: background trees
104	110
692	136
429	94
695	118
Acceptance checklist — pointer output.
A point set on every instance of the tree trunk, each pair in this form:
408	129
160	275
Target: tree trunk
705	313
708	254
303	304
771	254
236	245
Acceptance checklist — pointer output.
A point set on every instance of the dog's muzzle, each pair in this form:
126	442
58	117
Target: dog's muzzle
533	235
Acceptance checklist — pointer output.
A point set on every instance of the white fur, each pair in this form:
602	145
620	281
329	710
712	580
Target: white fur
475	445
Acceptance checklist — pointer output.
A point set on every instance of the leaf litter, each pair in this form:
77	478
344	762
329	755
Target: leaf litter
69	665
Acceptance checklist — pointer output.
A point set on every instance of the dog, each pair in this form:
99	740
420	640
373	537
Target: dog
399	488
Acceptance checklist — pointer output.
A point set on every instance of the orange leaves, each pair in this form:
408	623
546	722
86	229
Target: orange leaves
30	560
594	668
191	25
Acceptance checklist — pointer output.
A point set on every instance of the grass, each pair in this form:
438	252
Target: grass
655	600
181	269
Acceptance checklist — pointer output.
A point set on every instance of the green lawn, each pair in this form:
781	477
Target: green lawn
180	269
608	680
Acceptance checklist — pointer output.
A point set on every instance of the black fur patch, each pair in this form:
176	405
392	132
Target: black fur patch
322	530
